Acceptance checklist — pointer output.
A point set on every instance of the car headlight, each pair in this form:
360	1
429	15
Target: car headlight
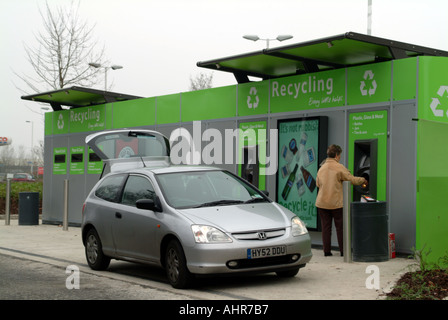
207	234
298	228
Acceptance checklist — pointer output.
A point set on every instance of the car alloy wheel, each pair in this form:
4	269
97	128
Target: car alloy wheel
176	266
94	251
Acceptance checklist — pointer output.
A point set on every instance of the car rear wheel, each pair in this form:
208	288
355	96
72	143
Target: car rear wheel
176	266
288	273
94	251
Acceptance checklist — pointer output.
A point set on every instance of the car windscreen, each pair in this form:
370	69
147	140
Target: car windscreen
197	189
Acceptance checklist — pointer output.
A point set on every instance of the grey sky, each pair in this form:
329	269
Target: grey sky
158	42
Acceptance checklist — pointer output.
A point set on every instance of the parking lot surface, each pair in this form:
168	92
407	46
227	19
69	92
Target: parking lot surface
324	278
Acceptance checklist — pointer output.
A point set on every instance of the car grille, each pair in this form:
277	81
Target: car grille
263	262
259	235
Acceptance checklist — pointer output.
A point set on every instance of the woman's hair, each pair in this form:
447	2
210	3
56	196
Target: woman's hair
333	151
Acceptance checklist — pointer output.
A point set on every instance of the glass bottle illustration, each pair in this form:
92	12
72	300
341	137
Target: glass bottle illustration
289	183
309	180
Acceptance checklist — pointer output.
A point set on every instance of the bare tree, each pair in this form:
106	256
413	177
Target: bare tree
64	48
201	81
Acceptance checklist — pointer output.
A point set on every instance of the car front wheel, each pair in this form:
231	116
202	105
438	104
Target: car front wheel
94	251
176	266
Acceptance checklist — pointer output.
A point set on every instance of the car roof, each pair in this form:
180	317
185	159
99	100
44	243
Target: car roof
174	169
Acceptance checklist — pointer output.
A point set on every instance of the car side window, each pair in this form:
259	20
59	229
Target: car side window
137	188
110	188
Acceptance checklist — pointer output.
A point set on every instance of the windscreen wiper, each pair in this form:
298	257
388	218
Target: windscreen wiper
218	203
253	200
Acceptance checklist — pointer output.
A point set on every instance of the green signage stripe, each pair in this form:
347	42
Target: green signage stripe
253	98
369	83
332	88
134	113
87	119
60	122
168	109
48	123
109	115
213	103
309	91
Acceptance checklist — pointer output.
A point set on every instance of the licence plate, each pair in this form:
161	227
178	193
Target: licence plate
266	252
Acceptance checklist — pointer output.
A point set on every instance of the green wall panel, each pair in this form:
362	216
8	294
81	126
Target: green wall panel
432	216
134	113
168	109
404	79
215	103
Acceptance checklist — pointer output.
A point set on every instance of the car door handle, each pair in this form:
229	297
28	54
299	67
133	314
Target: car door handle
118	215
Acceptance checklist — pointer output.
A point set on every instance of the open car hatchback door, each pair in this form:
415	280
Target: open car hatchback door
125	149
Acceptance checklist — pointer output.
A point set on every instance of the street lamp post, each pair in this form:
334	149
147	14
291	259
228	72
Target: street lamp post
113	67
256	38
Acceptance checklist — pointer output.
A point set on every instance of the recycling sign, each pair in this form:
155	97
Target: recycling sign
369	84
60	123
368	78
252	98
435	103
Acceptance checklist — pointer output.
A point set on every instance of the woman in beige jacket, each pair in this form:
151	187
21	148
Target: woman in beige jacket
330	198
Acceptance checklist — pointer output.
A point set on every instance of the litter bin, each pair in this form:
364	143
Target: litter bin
370	231
28	208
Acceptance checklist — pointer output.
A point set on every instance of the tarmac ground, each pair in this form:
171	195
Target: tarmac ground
324	278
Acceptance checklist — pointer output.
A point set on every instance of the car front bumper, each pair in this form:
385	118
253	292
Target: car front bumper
233	257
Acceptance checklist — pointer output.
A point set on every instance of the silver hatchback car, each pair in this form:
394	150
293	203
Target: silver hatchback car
189	220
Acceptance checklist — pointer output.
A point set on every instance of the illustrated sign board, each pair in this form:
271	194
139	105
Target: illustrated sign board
302	147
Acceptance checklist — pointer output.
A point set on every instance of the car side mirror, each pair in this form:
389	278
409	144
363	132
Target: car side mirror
149	204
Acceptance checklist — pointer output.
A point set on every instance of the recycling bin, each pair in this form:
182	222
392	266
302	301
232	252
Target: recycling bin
28	208
370	231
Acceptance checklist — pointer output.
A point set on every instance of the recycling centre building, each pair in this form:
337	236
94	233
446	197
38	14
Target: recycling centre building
384	102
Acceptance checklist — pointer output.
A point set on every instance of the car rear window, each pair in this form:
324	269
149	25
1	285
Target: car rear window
110	188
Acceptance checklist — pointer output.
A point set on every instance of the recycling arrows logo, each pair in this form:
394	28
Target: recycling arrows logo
436	102
368	75
252	98
60	122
